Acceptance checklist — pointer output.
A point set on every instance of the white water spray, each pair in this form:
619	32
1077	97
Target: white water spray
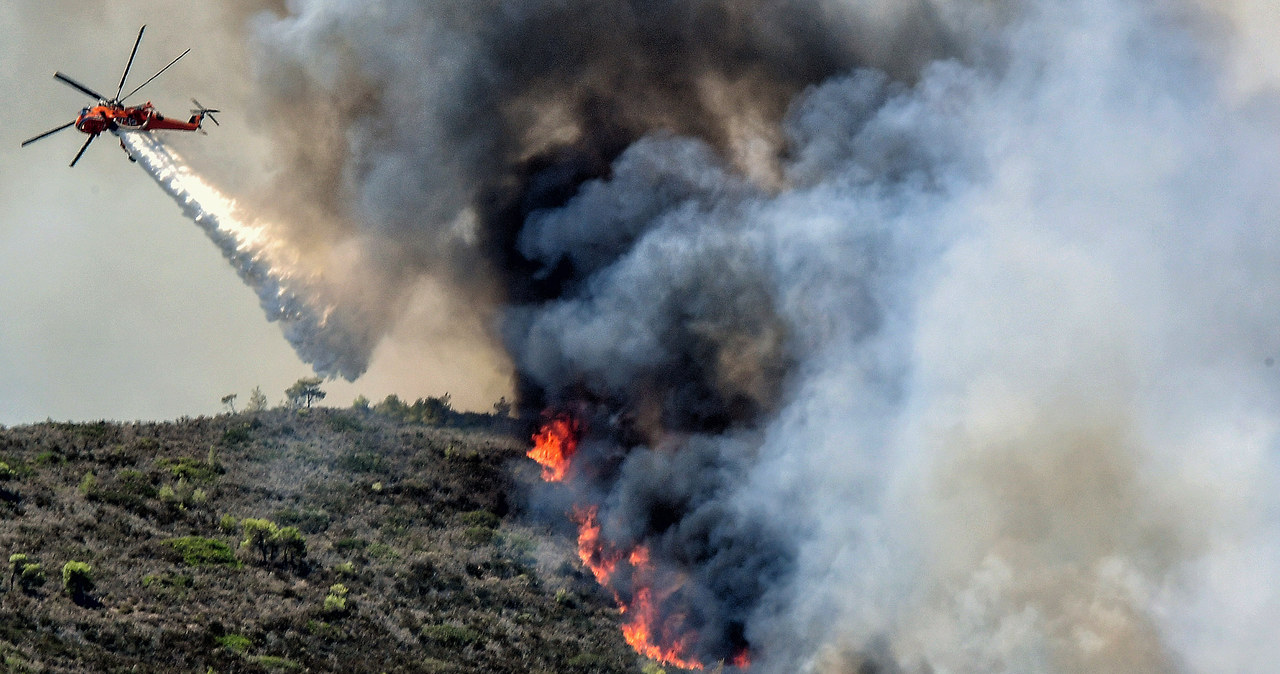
286	293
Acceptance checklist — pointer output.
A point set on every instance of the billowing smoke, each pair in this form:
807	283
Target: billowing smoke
903	336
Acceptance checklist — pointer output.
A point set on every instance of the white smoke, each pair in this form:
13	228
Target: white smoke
266	264
1058	453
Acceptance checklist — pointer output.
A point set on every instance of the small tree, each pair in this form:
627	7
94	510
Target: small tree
77	580
31	576
16	561
502	408
230	401
392	407
292	545
361	403
260	534
257	400
304	392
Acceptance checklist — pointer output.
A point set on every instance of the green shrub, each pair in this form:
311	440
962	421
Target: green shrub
348	544
229	524
49	457
361	462
87	483
478	535
481	518
450	635
311	520
346	569
382	551
335	603
7	473
31	576
194	470
237	643
199	551
128	488
236	435
77	579
341	423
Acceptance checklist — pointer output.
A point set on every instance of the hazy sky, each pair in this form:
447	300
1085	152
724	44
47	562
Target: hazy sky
112	304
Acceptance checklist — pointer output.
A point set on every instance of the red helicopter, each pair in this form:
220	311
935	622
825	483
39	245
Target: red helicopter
114	116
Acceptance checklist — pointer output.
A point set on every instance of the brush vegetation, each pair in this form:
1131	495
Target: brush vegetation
274	541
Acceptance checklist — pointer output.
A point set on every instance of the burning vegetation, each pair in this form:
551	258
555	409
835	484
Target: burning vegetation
654	608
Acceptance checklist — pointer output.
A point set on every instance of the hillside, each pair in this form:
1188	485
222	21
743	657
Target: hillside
425	527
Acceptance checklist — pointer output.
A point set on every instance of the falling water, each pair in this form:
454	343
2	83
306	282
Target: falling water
270	268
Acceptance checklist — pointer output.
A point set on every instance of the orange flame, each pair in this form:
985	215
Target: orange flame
640	633
591	549
554	445
651	634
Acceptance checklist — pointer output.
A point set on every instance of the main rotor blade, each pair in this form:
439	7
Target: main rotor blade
154	76
82	149
130	64
50	132
79	86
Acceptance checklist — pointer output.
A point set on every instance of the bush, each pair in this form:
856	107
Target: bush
478	535
87	483
310	521
16	562
481	518
257	400
198	551
193	470
228	524
451	635
349	544
236	435
237	643
31	577
335	603
260	534
77	580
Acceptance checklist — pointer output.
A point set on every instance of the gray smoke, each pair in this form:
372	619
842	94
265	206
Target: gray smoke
925	336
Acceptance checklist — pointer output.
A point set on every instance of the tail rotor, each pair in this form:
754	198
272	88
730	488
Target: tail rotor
205	112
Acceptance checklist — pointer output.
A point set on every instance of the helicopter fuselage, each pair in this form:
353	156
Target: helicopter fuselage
96	119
